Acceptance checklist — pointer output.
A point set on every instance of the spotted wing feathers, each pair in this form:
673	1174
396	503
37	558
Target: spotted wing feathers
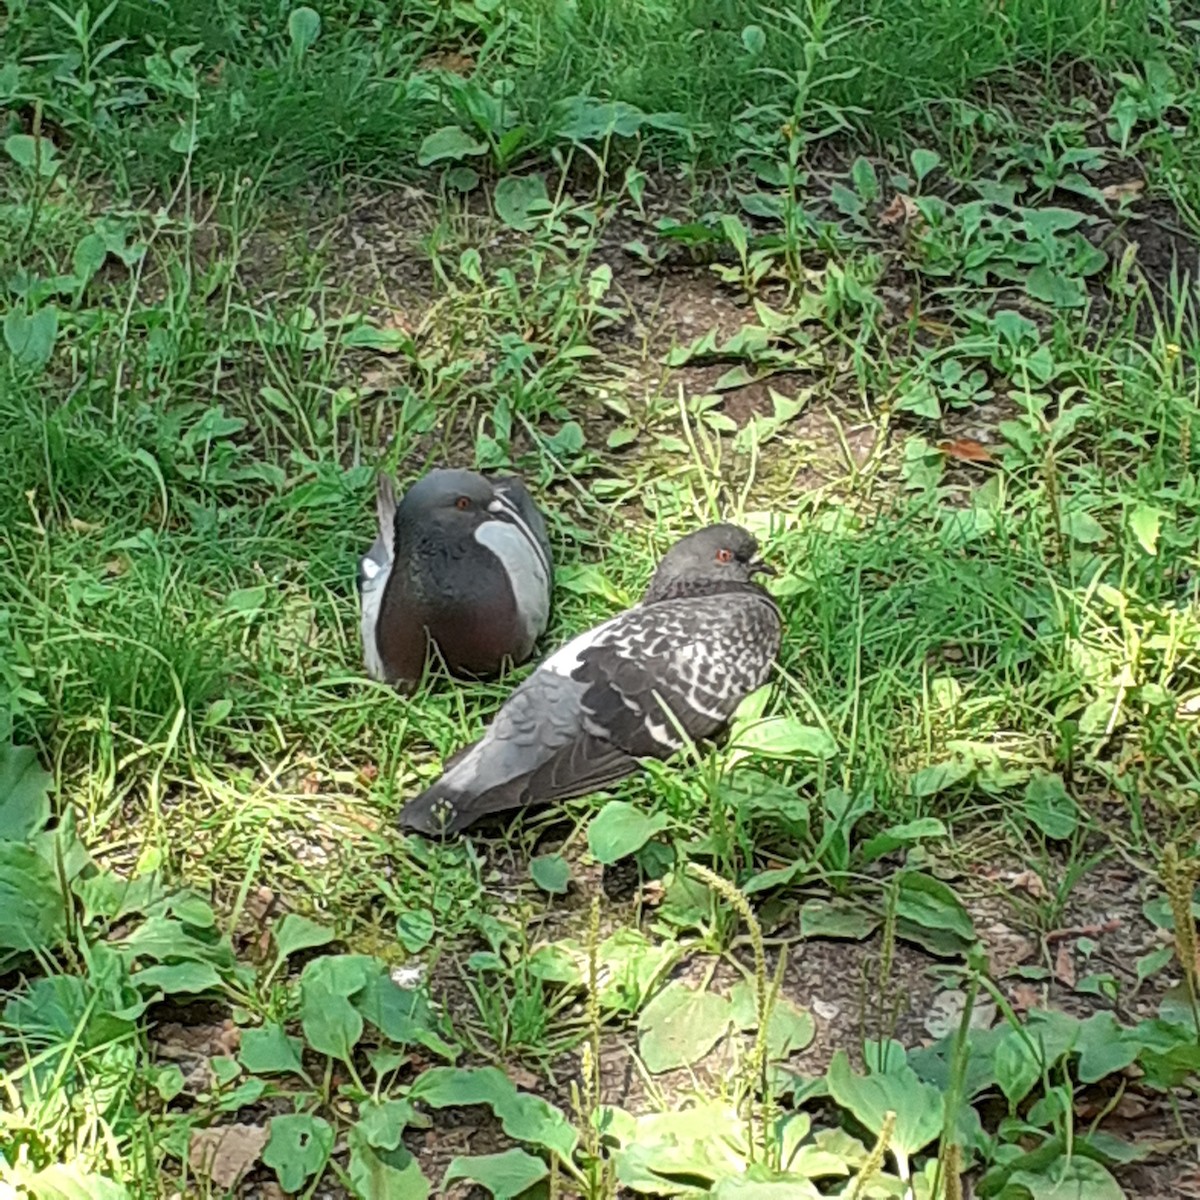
635	687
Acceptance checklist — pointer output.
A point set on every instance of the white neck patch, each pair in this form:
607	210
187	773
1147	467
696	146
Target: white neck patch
526	571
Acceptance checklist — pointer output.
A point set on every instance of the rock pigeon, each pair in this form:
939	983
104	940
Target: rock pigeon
463	562
703	637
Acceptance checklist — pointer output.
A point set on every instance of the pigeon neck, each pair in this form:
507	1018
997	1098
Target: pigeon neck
680	589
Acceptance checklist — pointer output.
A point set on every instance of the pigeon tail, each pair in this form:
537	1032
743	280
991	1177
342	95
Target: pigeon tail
385	512
433	812
582	766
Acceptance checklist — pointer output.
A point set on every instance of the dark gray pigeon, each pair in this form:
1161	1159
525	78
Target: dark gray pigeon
463	562
702	639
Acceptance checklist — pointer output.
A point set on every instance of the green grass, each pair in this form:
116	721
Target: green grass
124	80
203	367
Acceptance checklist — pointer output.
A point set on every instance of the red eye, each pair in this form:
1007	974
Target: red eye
462	502
724	556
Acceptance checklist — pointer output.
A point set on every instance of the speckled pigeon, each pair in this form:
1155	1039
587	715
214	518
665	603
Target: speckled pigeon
463	562
702	639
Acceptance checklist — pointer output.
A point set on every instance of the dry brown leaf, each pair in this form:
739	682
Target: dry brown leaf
1024	997
1187	1185
1130	189
1064	965
900	211
522	1077
448	60
259	903
368	773
1031	882
966	450
226	1152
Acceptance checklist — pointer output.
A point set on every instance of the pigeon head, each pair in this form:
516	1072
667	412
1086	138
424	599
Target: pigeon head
714	559
452	502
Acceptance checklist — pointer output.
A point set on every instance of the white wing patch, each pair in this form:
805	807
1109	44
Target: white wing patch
374	580
566	658
526	572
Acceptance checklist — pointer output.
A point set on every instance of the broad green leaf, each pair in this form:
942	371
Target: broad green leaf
1083	528
30	339
295	933
382	1125
866	182
89	257
415	928
1105	1047
32	911
932	903
178	977
184	140
331	1024
523	1117
568	441
552	873
1056	288
521	201
754	39
901	835
789	1029
32	153
939	777
462	179
785	737
247	601
680	1026
167	938
923	161
384	1174
1049	807
918	1106
1145	521
67	1181
448	142
773	877
304	26
1150	964
921	400
585	119
836	919
1075	1178
787	1187
24	794
342	974
402	1015
631	965
270	1051
299	1147
1017	1067
192	910
698	1141
619	829
505	1175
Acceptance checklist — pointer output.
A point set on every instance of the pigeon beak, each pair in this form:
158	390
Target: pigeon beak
758	567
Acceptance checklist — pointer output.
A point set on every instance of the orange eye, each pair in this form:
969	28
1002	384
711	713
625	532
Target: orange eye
462	502
724	555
